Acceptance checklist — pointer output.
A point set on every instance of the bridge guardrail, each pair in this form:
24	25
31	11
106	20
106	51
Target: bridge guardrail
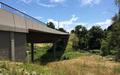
17	12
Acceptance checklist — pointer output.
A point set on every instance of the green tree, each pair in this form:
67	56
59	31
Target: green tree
115	37
51	25
72	31
116	31
81	33
105	45
96	34
62	30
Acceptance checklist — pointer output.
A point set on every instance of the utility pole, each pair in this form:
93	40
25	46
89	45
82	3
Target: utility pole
58	24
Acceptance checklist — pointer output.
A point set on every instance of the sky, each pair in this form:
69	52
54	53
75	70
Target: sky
68	13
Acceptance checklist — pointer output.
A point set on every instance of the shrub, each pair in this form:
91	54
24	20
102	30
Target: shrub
97	52
71	55
104	48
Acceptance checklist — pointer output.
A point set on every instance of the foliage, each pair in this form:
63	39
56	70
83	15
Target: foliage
97	52
81	33
111	44
114	37
15	68
71	55
72	31
117	2
51	25
104	48
62	30
96	34
88	39
84	65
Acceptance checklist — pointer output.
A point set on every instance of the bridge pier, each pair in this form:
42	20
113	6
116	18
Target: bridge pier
32	52
12	44
54	50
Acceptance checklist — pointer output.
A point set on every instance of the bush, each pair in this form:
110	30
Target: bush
104	48
71	55
97	52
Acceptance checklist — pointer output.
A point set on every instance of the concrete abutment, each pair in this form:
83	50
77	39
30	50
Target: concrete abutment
13	46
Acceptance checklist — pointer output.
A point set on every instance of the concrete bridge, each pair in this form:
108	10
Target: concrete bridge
17	29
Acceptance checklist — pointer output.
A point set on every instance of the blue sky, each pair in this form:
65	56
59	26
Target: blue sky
69	13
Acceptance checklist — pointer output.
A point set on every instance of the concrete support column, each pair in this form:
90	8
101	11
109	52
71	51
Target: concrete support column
12	44
32	52
54	50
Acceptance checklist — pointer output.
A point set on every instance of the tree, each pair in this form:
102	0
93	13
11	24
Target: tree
117	2
72	31
51	25
62	30
115	37
105	45
96	34
81	33
116	31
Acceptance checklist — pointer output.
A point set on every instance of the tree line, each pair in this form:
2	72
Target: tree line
107	41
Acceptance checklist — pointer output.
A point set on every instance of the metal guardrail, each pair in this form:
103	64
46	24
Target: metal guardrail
17	12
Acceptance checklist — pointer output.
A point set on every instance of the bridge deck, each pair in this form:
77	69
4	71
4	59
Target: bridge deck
14	20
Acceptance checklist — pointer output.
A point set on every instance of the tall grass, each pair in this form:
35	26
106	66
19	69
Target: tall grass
15	68
86	65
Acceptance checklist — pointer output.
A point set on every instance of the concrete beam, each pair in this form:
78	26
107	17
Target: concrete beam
6	21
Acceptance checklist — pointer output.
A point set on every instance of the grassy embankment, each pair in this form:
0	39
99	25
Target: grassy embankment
85	65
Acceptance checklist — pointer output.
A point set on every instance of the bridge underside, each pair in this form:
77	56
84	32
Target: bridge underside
42	37
14	46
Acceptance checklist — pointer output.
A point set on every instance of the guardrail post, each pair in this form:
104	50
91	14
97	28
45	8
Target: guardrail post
27	56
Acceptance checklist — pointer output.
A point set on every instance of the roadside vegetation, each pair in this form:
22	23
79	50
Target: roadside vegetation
84	65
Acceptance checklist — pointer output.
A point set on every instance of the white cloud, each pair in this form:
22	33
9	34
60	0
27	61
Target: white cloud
80	23
89	2
104	24
44	3
26	1
57	1
65	24
38	17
